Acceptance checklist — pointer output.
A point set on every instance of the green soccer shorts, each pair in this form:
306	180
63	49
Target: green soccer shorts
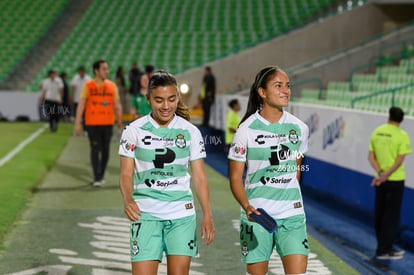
150	238
257	244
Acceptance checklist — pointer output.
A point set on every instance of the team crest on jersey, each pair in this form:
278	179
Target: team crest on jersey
134	248
244	249
293	136
180	141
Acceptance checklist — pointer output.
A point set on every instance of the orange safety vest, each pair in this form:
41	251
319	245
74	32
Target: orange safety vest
99	108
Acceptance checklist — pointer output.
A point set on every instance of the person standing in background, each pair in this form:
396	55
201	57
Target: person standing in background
387	149
65	107
133	76
122	89
76	85
232	122
208	94
139	102
100	101
52	97
149	70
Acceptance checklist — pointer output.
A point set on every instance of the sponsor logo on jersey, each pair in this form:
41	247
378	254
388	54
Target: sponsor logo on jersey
188	206
261	139
160	183
163	156
148	139
265	180
162	173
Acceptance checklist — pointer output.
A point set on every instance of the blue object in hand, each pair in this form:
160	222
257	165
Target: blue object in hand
264	220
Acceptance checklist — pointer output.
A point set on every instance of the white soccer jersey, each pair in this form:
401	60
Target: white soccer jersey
161	154
52	87
77	82
270	151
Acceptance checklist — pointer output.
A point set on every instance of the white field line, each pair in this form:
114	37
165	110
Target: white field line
21	145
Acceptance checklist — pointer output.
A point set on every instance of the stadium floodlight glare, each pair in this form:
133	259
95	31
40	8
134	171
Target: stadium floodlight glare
184	88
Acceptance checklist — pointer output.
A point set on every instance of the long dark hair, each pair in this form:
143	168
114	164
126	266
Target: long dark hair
255	101
163	78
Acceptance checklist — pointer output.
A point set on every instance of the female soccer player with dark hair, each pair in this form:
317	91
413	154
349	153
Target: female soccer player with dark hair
155	152
270	142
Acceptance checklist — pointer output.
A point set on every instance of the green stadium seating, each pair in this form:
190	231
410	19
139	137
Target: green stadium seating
175	35
22	23
374	86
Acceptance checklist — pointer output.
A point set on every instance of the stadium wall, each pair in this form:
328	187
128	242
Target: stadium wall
14	104
338	155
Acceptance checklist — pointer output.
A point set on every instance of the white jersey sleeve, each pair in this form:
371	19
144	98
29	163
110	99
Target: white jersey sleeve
197	149
127	143
238	148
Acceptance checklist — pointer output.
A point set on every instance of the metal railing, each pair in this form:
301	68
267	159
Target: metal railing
374	94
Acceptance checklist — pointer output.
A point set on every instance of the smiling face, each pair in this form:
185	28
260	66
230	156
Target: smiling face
163	101
276	95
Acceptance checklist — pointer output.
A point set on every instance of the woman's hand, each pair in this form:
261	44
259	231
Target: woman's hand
208	232
132	211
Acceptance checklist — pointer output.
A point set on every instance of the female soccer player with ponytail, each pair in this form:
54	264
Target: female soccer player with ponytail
270	142
155	152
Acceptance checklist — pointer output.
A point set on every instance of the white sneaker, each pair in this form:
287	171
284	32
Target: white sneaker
97	183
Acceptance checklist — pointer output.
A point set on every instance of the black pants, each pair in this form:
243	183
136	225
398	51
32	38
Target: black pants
51	110
388	199
206	112
100	140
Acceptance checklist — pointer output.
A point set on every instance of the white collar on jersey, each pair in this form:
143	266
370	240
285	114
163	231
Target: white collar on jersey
156	125
266	122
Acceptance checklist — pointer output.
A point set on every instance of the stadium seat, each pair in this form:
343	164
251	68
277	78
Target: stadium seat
375	90
204	31
23	22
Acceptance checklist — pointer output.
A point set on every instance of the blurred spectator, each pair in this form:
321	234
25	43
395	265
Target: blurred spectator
149	70
134	75
76	85
122	89
65	107
208	94
139	102
51	97
232	121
